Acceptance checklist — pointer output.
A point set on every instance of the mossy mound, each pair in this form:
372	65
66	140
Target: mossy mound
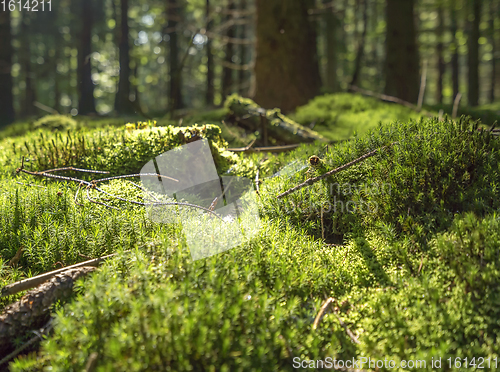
340	116
55	122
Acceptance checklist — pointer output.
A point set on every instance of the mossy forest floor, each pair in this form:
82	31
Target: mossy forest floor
407	243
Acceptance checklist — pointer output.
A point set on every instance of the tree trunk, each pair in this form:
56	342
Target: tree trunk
27	104
122	99
286	65
86	104
361	46
242	75
455	67
402	59
440	57
173	16
227	71
6	53
331	27
493	14
473	55
210	93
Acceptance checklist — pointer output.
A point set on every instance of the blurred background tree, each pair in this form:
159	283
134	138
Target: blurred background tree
156	58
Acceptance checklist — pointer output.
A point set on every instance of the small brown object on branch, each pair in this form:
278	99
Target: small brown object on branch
313	180
33	309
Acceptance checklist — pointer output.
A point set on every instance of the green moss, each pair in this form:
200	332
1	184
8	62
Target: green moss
55	122
342	115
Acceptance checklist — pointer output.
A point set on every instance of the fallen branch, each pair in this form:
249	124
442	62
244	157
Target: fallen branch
34	307
321	313
313	180
35	281
265	149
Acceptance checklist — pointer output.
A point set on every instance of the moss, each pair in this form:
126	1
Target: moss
55	122
342	115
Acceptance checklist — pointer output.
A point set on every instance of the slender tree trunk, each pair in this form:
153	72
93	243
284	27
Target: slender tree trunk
6	54
86	104
210	93
361	45
27	104
243	52
493	15
227	71
331	47
402	59
440	54
473	55
455	67
173	16
286	65
122	99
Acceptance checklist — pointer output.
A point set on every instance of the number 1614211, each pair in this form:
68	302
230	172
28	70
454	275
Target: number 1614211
26	5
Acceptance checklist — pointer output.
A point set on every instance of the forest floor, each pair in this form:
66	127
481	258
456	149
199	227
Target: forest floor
395	257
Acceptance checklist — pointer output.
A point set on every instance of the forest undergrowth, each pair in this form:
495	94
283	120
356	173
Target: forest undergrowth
404	246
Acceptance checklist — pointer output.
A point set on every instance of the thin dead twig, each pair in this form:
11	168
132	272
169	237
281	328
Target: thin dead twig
265	149
456	102
321	313
313	180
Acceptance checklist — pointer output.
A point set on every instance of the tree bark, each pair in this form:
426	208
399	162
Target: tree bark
242	74
286	65
27	104
494	12
210	93
361	46
227	72
402	58
6	53
473	55
440	54
86	103
175	94
122	99
331	27
455	67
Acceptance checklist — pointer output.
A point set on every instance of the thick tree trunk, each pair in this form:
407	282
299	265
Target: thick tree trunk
402	59
331	27
175	94
286	65
242	75
494	13
361	46
473	55
210	93
6	52
227	71
122	99
86	104
455	67
440	55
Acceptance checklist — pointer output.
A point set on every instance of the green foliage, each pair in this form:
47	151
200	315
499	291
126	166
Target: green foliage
55	122
415	278
119	151
342	115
